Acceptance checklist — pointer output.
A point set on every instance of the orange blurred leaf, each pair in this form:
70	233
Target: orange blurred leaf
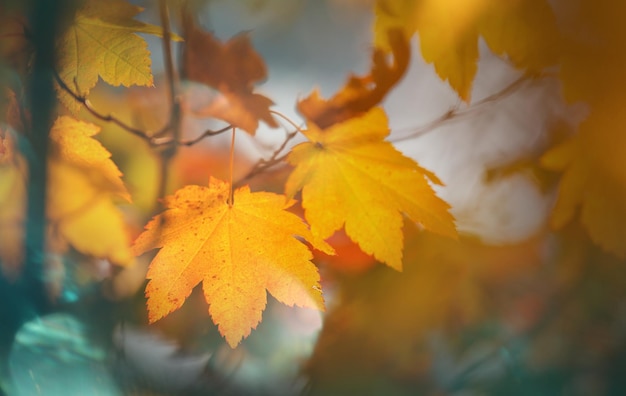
360	94
237	252
232	68
348	259
350	177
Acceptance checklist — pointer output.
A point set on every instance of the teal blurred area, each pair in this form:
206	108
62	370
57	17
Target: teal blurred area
53	355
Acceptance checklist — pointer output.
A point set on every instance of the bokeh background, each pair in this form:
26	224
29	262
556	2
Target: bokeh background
511	308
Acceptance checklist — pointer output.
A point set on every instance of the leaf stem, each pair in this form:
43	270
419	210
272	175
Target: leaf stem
284	117
232	162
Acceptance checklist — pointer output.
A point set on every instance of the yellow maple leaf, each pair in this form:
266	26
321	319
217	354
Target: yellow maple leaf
101	42
237	252
350	176
523	30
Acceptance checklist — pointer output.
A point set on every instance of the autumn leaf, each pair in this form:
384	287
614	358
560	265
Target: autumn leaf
237	252
102	42
350	177
524	31
232	68
360	94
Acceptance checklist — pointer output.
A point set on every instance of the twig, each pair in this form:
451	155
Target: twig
104	117
154	139
263	164
207	133
457	113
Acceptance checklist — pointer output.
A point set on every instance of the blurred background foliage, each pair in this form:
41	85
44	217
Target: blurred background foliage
511	308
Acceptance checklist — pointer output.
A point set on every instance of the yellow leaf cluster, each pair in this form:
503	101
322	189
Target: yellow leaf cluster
524	31
237	251
350	177
82	182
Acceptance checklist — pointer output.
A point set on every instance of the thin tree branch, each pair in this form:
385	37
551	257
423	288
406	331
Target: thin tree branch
457	113
207	133
174	123
154	139
172	77
107	117
263	164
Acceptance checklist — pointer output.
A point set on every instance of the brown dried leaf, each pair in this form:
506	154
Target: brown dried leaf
233	68
360	94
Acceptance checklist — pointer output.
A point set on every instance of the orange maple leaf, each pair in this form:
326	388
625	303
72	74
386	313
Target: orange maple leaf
232	68
360	94
237	252
367	183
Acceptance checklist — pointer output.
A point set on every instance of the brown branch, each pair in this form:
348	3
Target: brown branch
207	133
172	78
104	117
457	113
263	164
174	123
153	139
